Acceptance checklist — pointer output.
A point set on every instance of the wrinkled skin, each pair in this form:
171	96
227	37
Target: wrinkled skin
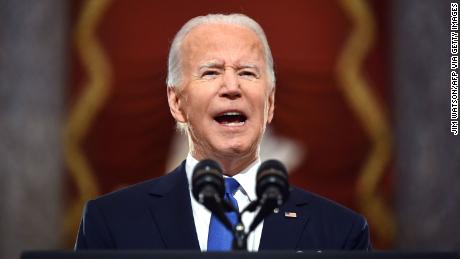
223	70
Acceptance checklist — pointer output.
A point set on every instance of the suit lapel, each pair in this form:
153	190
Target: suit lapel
282	230
171	209
170	206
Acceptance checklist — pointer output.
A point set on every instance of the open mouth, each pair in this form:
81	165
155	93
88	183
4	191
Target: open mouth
231	119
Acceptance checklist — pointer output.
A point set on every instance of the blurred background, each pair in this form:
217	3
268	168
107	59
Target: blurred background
362	110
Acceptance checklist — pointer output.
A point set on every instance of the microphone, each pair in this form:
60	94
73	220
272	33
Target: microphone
208	188
272	189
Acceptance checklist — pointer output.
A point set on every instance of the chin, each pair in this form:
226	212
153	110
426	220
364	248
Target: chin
236	150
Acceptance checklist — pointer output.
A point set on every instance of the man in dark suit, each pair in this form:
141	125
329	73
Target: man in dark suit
221	91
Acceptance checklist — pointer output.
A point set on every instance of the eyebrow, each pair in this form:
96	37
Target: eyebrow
220	64
212	64
250	65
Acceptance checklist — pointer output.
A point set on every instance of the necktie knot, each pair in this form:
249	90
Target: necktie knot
231	186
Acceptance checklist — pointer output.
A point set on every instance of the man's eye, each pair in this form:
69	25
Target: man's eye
248	74
210	73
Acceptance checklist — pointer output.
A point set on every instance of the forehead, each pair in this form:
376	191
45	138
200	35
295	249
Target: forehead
227	42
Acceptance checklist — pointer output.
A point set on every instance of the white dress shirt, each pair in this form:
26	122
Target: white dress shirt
244	195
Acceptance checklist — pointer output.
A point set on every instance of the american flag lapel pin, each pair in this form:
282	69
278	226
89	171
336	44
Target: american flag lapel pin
290	214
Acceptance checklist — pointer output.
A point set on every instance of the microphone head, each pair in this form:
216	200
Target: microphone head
272	174
207	174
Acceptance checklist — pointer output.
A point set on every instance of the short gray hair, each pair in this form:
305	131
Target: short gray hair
174	59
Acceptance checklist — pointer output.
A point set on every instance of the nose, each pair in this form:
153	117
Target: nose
230	86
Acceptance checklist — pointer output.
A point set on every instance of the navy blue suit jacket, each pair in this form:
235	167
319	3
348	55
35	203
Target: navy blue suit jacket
157	214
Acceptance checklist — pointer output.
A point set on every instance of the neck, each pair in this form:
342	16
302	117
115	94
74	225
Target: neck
233	167
231	164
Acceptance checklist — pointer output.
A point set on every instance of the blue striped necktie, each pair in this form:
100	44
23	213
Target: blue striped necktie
219	238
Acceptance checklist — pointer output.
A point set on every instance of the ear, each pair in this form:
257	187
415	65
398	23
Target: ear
175	104
271	104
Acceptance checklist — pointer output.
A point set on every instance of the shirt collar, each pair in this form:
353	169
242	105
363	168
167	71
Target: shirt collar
246	178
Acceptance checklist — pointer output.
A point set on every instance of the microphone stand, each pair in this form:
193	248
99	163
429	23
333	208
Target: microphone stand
240	236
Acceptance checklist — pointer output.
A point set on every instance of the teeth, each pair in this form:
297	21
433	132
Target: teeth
232	113
235	123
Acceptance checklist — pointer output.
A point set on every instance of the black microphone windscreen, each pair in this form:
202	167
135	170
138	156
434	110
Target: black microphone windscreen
272	189
272	173
207	174
272	165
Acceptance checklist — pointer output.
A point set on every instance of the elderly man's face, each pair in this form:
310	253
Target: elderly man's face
225	96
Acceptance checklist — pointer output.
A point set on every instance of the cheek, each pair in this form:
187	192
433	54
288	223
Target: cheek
260	104
195	106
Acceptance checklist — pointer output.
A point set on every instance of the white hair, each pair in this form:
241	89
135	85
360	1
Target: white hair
174	59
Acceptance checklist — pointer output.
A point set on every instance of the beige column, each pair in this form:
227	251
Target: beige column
33	48
428	155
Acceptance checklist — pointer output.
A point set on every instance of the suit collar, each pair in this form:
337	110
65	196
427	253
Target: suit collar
282	230
246	178
170	206
171	209
170	182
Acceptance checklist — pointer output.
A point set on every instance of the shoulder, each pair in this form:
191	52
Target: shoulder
108	220
132	195
323	206
341	227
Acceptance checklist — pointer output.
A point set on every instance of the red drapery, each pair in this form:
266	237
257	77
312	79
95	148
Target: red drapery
332	96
